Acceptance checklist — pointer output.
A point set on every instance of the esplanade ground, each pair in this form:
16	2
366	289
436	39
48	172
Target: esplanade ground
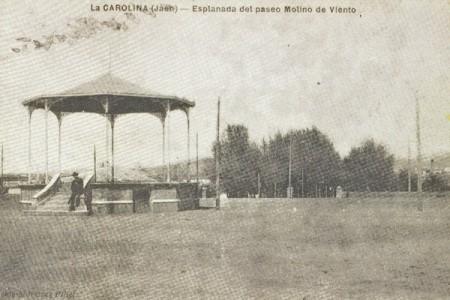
350	248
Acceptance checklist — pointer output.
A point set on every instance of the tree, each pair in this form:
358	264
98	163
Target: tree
369	167
435	183
313	157
239	162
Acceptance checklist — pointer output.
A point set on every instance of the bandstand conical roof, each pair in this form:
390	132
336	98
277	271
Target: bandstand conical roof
121	95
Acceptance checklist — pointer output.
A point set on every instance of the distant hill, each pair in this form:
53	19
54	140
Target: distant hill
178	171
440	161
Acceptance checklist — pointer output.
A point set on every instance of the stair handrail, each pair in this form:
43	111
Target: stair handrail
87	180
51	187
87	191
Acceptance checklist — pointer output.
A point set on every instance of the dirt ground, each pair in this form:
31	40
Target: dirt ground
252	249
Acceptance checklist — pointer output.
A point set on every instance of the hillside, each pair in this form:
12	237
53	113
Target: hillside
440	161
178	171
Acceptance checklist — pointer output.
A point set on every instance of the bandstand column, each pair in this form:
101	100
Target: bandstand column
59	143
168	141
112	119
30	112
106	106
46	141
163	122
188	145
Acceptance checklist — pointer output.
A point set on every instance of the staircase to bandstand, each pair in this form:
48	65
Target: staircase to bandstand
53	200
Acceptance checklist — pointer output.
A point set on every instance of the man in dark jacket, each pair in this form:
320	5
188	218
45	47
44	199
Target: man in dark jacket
77	190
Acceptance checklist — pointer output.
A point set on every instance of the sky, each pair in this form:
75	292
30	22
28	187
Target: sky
353	76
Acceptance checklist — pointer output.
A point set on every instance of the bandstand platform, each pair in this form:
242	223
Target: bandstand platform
109	198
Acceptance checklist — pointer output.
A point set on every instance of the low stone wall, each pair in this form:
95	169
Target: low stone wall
27	191
112	193
426	202
186	193
141	196
112	207
165	205
168	198
112	198
188	204
189	196
137	197
397	194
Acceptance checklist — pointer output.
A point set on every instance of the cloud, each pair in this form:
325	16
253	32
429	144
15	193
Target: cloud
78	29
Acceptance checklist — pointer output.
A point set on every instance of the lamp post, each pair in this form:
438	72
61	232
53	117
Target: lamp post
303	185
419	147
196	162
409	168
218	156
1	174
95	164
290	189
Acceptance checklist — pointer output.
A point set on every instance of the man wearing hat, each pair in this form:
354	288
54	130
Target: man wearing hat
77	190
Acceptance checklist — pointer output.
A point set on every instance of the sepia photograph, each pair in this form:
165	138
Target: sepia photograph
225	149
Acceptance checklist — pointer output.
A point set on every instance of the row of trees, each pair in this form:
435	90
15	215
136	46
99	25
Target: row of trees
433	182
316	167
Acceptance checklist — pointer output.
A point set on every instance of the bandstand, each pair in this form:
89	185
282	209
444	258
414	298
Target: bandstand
110	97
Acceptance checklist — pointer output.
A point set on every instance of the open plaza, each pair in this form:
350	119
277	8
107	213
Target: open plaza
351	248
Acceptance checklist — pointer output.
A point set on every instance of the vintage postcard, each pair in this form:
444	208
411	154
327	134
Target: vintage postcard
225	149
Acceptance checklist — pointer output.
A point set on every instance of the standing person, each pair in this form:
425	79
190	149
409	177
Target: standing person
77	189
88	200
